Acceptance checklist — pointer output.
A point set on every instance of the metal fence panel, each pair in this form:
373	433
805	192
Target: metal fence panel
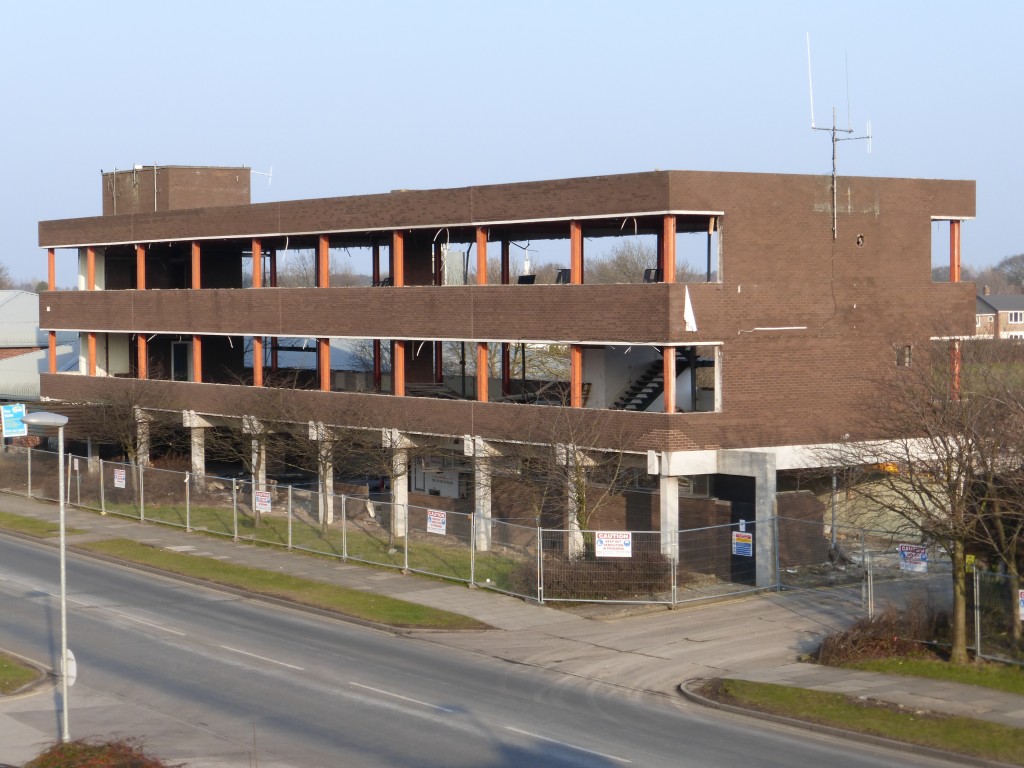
440	543
163	495
309	532
510	562
14	469
997	616
45	472
372	537
210	504
262	513
708	567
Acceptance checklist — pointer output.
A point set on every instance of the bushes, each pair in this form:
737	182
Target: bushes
644	575
87	753
891	633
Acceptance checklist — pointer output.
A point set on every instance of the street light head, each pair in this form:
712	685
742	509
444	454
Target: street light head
45	419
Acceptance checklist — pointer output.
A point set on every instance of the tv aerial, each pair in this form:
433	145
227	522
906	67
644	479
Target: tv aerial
270	174
836	132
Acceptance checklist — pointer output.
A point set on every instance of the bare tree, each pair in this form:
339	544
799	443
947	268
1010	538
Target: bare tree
953	461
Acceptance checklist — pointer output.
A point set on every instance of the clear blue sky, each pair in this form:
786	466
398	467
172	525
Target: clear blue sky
359	97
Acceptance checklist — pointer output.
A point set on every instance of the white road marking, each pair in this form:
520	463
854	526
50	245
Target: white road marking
262	658
568	746
403	698
151	624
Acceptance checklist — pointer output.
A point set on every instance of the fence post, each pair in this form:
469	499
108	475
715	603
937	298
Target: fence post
871	588
405	547
977	612
472	549
142	495
540	565
103	499
675	570
344	527
188	503
234	509
775	549
289	517
29	490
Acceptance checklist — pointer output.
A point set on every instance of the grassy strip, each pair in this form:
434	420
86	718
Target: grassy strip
955	734
1001	677
14	674
350	602
32	526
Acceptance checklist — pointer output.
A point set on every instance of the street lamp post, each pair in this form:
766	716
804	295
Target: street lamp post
44	419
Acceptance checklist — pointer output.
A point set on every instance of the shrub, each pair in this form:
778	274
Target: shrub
905	632
88	753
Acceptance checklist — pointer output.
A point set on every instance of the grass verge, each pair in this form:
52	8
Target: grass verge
967	736
14	674
1001	677
31	526
349	602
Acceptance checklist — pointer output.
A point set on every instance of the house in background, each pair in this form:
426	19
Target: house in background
719	384
999	316
23	347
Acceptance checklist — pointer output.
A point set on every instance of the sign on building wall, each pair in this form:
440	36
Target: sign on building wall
913	558
12	420
437	521
613	544
743	543
262	501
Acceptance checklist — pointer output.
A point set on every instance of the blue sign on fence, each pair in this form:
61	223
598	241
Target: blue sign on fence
12	420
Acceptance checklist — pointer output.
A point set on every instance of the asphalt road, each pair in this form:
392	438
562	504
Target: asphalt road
213	679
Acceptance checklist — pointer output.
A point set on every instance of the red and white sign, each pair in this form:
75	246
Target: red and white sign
437	521
119	478
262	501
613	544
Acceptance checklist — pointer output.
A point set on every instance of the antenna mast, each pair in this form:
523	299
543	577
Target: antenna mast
835	130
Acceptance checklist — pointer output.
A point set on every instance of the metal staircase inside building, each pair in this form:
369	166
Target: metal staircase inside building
648	386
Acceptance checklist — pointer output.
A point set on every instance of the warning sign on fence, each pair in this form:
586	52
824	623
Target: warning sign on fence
262	502
613	544
119	477
1020	597
743	543
437	521
913	557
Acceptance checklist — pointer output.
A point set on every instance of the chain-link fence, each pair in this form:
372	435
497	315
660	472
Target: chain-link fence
860	565
997	615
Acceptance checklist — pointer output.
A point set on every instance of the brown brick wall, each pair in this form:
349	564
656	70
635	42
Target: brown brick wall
802	538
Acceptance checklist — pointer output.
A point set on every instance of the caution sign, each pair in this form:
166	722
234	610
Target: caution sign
262	502
743	543
613	544
437	521
913	558
119	478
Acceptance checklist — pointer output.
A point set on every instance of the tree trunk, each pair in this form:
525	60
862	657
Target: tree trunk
1015	622
958	622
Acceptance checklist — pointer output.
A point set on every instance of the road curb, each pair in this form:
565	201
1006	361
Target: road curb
687	689
32	687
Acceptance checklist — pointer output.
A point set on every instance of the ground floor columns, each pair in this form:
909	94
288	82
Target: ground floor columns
668	488
399	443
141	437
481	453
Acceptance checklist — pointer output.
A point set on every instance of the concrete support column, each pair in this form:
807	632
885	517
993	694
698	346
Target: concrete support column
142	437
198	440
668	490
482	473
319	434
399	492
761	467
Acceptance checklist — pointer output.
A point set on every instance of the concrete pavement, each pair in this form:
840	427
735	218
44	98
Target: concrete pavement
756	638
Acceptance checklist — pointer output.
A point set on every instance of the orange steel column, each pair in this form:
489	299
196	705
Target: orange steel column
323	363
576	376
506	358
143	357
257	341
668	267
140	267
51	284
273	284
90	268
398	369
323	262
257	263
955	355
482	368
398	258
669	373
197	341
92	353
575	253
375	279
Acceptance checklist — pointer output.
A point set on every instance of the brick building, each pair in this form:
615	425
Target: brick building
803	304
